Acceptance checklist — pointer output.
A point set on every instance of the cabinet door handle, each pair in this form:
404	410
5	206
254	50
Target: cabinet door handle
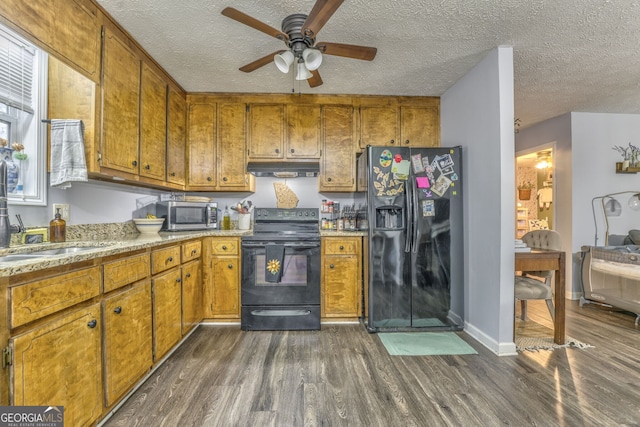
292	151
178	280
193	252
173	174
224	247
117	310
342	248
277	151
230	266
224	179
188	275
407	142
147	167
393	141
329	179
134	163
170	259
331	265
209	179
92	324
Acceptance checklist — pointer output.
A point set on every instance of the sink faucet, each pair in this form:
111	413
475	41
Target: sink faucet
6	228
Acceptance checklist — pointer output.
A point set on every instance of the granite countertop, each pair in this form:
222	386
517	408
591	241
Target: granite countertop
101	244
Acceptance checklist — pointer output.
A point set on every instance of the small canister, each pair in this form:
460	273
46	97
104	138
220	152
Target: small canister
340	224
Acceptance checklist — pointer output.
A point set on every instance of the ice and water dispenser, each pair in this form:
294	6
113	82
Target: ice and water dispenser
390	217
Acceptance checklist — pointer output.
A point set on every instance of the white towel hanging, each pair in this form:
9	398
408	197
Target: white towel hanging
68	163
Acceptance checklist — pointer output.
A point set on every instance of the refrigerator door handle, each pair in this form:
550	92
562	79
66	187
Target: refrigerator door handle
408	216
414	207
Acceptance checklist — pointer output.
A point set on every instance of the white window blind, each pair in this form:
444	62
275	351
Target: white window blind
16	73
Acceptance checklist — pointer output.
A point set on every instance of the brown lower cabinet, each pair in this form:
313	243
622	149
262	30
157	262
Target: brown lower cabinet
167	311
221	274
127	338
60	363
341	277
191	295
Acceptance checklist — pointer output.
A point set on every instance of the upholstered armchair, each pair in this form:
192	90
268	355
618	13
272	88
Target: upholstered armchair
537	284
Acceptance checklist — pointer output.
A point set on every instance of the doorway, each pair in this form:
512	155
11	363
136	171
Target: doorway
535	195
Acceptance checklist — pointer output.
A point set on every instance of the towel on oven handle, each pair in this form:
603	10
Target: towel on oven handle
273	262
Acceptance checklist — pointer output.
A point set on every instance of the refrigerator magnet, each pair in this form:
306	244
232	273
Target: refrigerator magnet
416	162
401	169
445	161
441	185
422	182
385	158
428	208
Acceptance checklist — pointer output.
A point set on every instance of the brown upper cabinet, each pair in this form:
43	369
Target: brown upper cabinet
400	121
120	105
201	170
69	29
338	163
284	131
232	167
176	138
266	131
217	145
153	125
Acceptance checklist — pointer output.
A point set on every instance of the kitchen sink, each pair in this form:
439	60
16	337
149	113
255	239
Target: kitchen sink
44	253
19	257
65	251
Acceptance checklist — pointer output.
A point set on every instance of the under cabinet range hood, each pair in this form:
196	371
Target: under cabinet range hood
284	169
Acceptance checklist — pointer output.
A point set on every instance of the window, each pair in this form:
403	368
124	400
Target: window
23	77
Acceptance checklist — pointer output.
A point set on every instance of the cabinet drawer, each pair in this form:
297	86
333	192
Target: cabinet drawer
224	246
124	271
164	259
37	299
191	250
335	246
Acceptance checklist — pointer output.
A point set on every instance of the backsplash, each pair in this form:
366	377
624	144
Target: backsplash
89	231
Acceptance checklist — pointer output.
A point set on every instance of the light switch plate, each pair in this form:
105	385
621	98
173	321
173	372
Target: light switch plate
65	211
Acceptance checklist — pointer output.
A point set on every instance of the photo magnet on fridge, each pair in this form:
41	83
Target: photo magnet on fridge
416	162
428	208
441	185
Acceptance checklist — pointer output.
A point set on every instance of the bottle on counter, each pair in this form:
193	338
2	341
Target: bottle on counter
226	219
57	228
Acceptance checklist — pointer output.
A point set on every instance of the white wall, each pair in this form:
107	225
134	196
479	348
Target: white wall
593	136
97	202
477	113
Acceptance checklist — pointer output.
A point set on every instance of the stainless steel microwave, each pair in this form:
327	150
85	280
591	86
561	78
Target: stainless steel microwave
183	216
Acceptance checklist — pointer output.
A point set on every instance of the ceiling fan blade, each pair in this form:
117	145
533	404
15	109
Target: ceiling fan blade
315	80
259	62
348	50
319	15
245	19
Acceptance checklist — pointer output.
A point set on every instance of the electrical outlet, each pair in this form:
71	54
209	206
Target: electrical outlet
65	211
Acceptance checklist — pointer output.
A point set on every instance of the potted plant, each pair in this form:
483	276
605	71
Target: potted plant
524	190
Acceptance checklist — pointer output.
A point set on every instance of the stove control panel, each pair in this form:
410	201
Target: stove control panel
283	214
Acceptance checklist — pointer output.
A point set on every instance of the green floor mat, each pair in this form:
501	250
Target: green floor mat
424	344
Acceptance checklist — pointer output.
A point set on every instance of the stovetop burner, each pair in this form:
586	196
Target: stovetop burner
278	224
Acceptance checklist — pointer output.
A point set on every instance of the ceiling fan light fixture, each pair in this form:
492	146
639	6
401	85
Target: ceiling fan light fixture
312	58
303	73
283	60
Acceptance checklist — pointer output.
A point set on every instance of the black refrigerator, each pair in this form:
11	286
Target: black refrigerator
415	240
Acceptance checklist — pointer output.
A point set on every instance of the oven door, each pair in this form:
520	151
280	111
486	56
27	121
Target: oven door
300	281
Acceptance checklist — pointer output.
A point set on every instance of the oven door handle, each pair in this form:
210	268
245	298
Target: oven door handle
279	313
301	245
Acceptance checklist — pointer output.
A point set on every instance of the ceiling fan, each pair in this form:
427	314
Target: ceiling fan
299	35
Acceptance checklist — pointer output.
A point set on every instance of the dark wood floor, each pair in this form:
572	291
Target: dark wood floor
343	376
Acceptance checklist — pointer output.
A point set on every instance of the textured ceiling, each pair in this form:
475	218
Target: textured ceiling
569	55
